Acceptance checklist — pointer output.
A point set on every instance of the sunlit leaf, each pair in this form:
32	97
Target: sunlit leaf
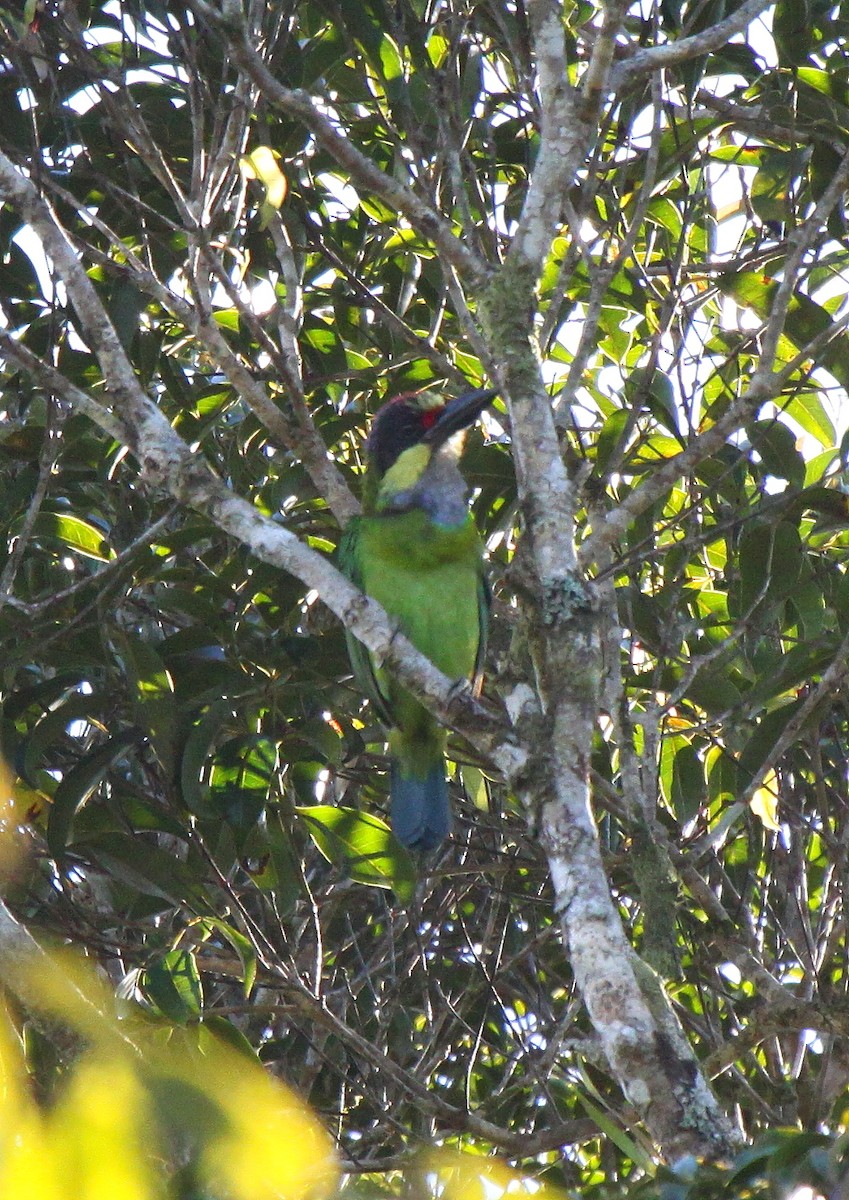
262	164
764	802
363	846
73	535
805	321
474	781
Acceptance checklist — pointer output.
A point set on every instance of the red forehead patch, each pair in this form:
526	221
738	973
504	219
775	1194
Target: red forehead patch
427	417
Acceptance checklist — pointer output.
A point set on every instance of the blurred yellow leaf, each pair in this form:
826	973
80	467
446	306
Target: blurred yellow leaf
132	1100
68	989
96	1132
16	803
275	1149
27	1166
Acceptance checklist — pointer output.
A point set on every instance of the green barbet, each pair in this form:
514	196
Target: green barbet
416	550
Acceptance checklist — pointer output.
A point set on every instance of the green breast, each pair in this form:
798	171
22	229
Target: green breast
427	576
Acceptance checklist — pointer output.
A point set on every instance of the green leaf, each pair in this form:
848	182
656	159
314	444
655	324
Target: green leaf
655	391
722	777
688	783
792	31
42	694
197	752
241	781
227	318
138	863
226	1031
742	156
770	191
126	304
610	437
78	784
776	445
74	535
809	605
475	785
156	710
714	689
612	1130
363	846
806	408
53	726
764	802
242	946
770	561
805	321
173	985
303	738
390	59
760	744
816	469
827	83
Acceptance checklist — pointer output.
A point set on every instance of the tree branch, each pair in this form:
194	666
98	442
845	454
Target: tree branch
708	41
47	377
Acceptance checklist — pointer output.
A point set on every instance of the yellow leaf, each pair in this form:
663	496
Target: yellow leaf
261	165
98	1129
474	782
249	1137
272	1147
764	802
67	988
674	722
18	804
28	1167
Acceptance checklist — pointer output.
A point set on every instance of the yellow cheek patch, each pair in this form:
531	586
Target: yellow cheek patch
404	473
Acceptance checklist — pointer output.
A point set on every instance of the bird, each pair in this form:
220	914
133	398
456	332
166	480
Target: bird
416	550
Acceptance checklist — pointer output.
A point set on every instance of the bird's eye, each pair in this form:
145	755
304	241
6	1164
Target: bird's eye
430	416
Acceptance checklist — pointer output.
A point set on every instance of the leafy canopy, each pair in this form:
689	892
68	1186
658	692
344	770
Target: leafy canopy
202	792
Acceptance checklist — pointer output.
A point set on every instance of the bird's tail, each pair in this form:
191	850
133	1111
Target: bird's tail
421	813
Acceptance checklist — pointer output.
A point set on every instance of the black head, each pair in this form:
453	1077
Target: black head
400	424
421	417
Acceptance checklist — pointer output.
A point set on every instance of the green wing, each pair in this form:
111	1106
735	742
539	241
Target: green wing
362	664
